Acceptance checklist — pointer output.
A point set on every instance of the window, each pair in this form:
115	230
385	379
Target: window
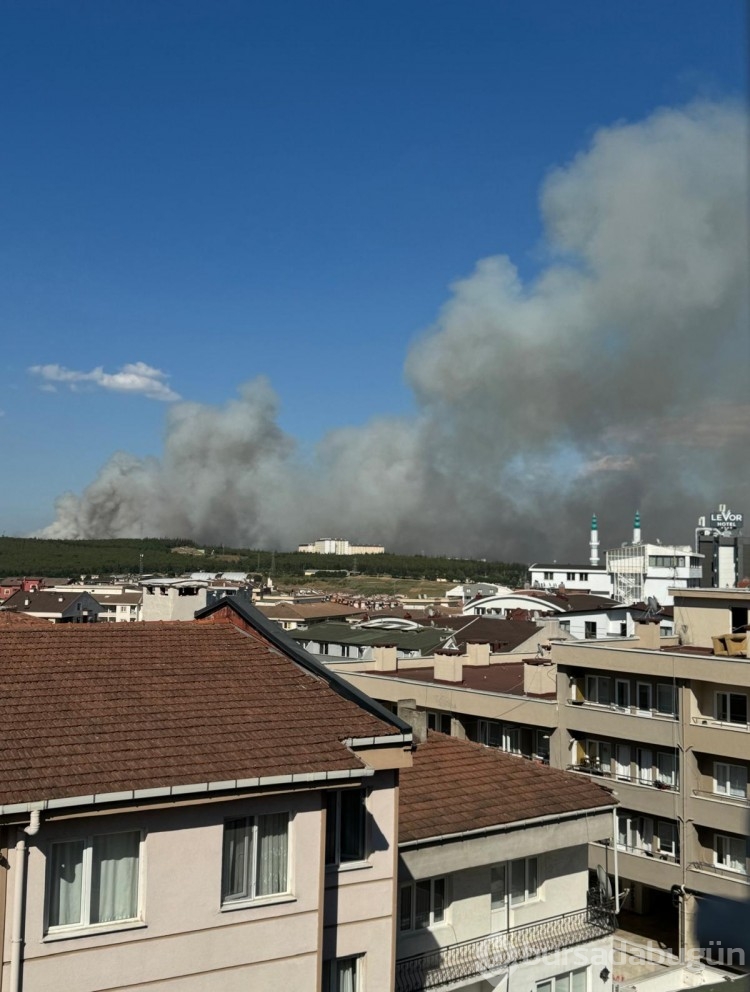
345	826
490	732
570	576
731	707
645	760
599	754
94	881
643	697
731	853
498	889
565	625
598	689
635	833
548	576
666	769
583	576
524	881
730	780
622	694
256	857
422	904
589	630
439	721
622	762
569	981
666	833
541	745
666	699
341	975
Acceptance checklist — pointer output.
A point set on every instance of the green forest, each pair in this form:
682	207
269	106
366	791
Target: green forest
124	556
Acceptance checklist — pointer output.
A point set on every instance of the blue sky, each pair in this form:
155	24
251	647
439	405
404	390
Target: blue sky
225	189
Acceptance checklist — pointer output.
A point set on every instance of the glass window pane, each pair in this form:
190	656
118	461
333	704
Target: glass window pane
531	880
422	909
66	869
405	907
114	877
562	983
517	882
579	980
236	867
272	855
737	708
352	826
738	781
332	807
497	886
346	975
438	900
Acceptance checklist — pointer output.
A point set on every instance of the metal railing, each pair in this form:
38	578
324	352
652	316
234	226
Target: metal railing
485	955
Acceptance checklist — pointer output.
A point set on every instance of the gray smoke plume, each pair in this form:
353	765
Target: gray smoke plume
615	380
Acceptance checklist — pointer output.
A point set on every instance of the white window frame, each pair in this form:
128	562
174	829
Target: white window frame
723	780
251	860
599	754
529	894
668	837
331	973
565	981
664	775
728	707
432	915
671	710
597	682
644	760
642	711
86	887
638	831
727	842
336	801
619	685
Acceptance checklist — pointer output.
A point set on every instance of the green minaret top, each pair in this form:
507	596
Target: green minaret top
594	525
637	518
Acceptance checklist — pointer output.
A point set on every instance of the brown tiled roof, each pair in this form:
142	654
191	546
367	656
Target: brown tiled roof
11	618
488	630
96	708
454	786
43	601
505	678
308	611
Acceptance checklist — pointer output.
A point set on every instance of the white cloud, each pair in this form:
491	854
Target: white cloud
136	377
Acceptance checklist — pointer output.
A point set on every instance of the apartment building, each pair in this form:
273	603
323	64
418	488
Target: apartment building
493	873
666	723
186	805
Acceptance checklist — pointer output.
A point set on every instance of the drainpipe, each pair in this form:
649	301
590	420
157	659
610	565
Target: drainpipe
614	847
16	940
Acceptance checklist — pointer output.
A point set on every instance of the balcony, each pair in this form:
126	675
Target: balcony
472	959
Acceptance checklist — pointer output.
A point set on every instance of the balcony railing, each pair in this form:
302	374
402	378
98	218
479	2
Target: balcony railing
484	956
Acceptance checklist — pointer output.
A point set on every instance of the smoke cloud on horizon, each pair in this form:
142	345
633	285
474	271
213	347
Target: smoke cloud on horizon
616	380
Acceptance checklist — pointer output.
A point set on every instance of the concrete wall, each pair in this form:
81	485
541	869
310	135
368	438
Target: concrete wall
186	939
167	604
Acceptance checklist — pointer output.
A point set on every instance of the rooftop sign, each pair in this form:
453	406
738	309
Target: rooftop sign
722	521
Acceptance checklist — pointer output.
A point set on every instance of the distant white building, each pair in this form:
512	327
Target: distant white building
337	546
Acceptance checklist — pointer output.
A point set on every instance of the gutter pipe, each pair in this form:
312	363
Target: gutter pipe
19	893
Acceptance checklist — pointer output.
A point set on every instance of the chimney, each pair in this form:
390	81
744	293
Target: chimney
407	710
649	635
539	680
448	667
477	655
594	542
385	658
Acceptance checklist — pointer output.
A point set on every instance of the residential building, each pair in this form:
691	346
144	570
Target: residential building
338	546
573	576
180	598
665	720
60	606
640	571
493	873
193	806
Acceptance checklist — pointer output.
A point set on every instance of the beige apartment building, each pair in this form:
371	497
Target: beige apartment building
188	806
663	721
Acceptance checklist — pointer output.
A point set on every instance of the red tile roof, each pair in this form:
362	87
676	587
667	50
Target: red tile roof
97	708
506	678
11	618
455	785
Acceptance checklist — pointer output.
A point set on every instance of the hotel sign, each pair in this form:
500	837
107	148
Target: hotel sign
723	521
